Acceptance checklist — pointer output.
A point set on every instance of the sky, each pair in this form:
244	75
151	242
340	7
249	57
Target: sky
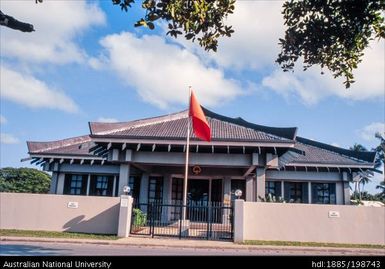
87	62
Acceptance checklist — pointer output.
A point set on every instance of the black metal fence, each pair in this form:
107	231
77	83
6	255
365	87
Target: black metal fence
204	220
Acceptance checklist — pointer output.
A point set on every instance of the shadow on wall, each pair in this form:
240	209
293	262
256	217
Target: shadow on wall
104	223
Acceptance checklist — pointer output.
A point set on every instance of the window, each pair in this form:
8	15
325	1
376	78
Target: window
296	192
101	185
155	189
177	189
238	184
273	188
155	194
75	184
134	184
323	193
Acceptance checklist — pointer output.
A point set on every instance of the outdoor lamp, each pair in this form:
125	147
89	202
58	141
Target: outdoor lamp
238	193
126	190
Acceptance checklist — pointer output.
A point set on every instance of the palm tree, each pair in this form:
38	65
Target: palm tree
381	186
364	175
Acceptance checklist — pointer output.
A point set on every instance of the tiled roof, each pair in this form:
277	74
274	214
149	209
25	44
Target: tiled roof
223	128
72	146
308	151
174	126
314	154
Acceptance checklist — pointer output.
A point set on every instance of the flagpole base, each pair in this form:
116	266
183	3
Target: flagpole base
185	227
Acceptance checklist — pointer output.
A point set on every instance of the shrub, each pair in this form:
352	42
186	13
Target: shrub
24	180
140	218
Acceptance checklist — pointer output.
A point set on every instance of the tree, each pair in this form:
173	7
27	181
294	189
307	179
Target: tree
24	180
364	176
11	22
330	33
380	149
199	19
381	187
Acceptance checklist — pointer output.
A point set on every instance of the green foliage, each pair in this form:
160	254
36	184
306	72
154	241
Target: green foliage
24	180
366	176
380	149
199	19
330	33
365	196
140	218
381	187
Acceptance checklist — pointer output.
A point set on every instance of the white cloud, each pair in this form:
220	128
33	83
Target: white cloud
103	119
56	25
26	90
6	138
311	87
335	145
367	133
258	25
3	119
161	72
254	46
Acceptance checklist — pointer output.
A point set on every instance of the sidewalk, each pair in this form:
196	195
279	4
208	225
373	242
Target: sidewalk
176	243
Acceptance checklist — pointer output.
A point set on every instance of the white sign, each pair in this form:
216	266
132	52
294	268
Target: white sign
73	205
334	214
124	203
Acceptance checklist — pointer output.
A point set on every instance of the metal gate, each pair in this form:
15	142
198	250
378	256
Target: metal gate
204	220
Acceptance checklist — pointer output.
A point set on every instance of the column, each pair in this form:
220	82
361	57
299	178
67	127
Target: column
249	189
125	212
166	211
282	190
309	192
114	187
226	199
54	181
124	174
345	188
60	183
226	190
346	193
88	184
239	223
260	183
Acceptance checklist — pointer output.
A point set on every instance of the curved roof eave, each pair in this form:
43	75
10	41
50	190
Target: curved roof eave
285	132
367	156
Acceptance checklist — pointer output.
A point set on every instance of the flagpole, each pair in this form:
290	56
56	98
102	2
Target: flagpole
187	157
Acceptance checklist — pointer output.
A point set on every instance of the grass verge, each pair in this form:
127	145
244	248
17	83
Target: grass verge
48	234
309	244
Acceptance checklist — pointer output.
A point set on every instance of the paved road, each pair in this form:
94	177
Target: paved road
11	248
66	249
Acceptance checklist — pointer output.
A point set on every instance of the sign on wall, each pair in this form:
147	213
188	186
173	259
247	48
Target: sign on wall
334	214
124	203
73	205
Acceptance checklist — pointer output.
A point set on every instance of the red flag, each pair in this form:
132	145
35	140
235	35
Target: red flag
200	125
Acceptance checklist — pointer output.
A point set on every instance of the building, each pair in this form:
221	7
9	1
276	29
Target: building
149	156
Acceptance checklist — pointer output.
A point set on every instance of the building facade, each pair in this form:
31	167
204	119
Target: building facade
149	156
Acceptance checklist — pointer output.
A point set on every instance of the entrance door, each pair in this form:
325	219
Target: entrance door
198	192
198	199
216	201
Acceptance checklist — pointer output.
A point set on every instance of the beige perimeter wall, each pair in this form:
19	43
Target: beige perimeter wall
310	223
51	213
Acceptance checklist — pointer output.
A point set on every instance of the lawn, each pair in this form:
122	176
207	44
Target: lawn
48	234
309	244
